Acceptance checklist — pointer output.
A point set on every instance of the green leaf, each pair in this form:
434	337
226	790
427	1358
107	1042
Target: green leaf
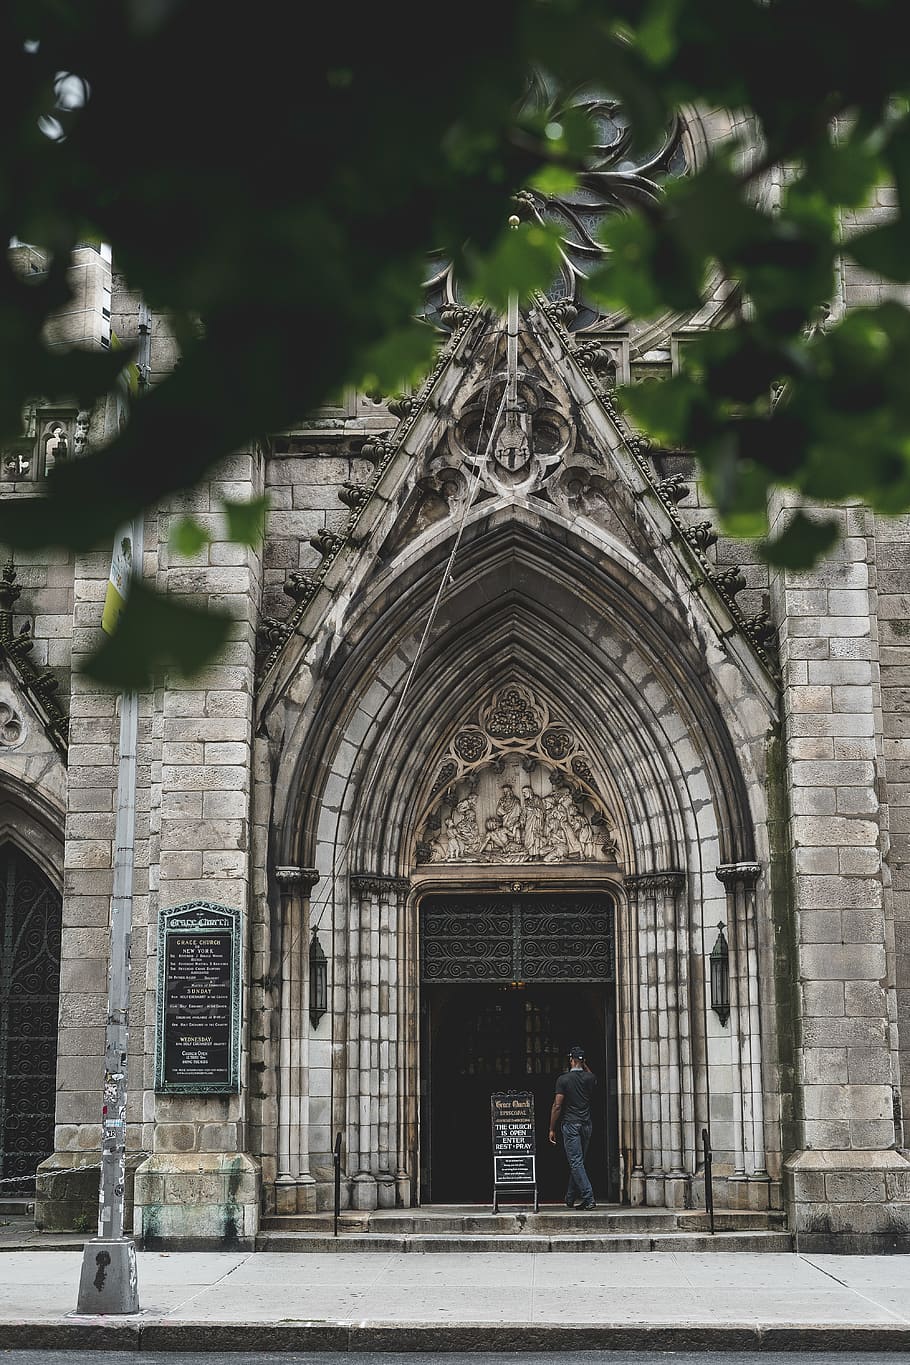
845	172
802	543
522	261
663	407
885	250
246	520
157	634
399	361
656	35
187	537
626	280
553	180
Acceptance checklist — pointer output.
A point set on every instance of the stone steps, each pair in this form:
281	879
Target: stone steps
527	1242
608	1229
17	1206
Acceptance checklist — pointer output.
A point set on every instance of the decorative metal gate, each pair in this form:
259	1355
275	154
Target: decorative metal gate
530	938
30	913
508	984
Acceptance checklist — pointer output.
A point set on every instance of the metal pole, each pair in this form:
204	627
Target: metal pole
709	1177
336	1160
109	1280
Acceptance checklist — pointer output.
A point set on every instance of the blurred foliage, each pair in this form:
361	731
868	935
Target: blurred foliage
278	198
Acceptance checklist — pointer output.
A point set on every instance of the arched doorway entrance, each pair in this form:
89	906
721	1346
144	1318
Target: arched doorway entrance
508	984
30	918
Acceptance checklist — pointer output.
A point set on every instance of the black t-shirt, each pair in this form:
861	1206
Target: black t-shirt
578	1087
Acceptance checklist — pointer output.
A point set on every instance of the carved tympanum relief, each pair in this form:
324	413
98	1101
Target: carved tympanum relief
516	787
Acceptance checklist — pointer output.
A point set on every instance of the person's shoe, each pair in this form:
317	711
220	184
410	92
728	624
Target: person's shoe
592	1205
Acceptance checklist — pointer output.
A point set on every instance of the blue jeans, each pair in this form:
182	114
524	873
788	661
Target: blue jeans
575	1139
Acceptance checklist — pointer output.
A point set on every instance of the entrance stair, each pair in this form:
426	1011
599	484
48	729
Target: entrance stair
517	1228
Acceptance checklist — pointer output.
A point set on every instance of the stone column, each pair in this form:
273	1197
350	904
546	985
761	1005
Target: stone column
295	1192
739	879
406	1054
629	992
372	1039
68	1181
659	947
847	1186
200	1185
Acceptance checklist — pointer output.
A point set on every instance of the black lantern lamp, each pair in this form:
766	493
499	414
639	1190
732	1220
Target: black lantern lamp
720	976
319	981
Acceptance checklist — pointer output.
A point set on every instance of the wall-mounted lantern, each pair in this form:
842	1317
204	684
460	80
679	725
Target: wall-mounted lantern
720	976
319	981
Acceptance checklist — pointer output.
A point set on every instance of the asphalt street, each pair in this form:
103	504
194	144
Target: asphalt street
458	1358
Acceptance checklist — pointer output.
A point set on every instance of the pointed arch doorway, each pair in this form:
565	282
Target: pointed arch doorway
509	982
30	923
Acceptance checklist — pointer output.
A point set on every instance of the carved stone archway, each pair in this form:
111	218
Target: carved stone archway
566	686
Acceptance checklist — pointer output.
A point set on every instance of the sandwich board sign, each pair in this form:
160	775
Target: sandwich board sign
514	1143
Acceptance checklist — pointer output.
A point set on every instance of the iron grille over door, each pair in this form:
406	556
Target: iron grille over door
523	938
30	913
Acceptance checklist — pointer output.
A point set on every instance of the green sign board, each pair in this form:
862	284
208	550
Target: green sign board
197	1044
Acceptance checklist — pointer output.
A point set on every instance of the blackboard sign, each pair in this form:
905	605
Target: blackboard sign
514	1146
198	1035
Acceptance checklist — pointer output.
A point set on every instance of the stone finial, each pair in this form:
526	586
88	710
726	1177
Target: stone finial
729	581
354	495
761	628
10	590
673	489
376	449
702	535
326	542
273	632
598	358
300	586
400	405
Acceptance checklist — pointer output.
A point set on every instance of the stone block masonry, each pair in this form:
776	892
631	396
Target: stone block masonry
848	982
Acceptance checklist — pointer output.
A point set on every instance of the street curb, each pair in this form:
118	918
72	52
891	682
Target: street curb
161	1335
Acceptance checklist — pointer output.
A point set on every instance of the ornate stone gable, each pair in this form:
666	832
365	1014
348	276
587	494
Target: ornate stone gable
516	787
38	685
566	456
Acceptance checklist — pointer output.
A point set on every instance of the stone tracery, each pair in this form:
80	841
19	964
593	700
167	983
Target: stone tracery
516	788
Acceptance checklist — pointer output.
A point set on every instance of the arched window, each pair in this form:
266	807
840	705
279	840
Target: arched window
30	915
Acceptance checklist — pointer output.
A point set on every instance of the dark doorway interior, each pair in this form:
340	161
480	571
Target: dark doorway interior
30	913
483	1036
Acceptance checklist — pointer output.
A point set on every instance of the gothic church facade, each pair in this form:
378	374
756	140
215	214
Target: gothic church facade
509	750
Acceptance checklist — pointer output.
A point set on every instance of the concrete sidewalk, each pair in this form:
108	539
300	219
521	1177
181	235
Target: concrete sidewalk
448	1301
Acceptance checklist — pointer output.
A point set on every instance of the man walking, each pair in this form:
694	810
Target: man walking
572	1105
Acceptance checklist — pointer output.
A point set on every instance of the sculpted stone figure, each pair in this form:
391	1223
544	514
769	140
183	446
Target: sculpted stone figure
555	847
508	808
462	828
533	823
80	434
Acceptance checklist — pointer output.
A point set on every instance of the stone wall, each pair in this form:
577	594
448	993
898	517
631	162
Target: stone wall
893	566
844	1185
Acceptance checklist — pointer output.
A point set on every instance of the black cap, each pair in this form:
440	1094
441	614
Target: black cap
577	1054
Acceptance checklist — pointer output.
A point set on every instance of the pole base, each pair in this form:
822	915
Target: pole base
109	1282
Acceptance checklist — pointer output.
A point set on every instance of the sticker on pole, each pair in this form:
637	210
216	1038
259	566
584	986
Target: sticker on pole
118	584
